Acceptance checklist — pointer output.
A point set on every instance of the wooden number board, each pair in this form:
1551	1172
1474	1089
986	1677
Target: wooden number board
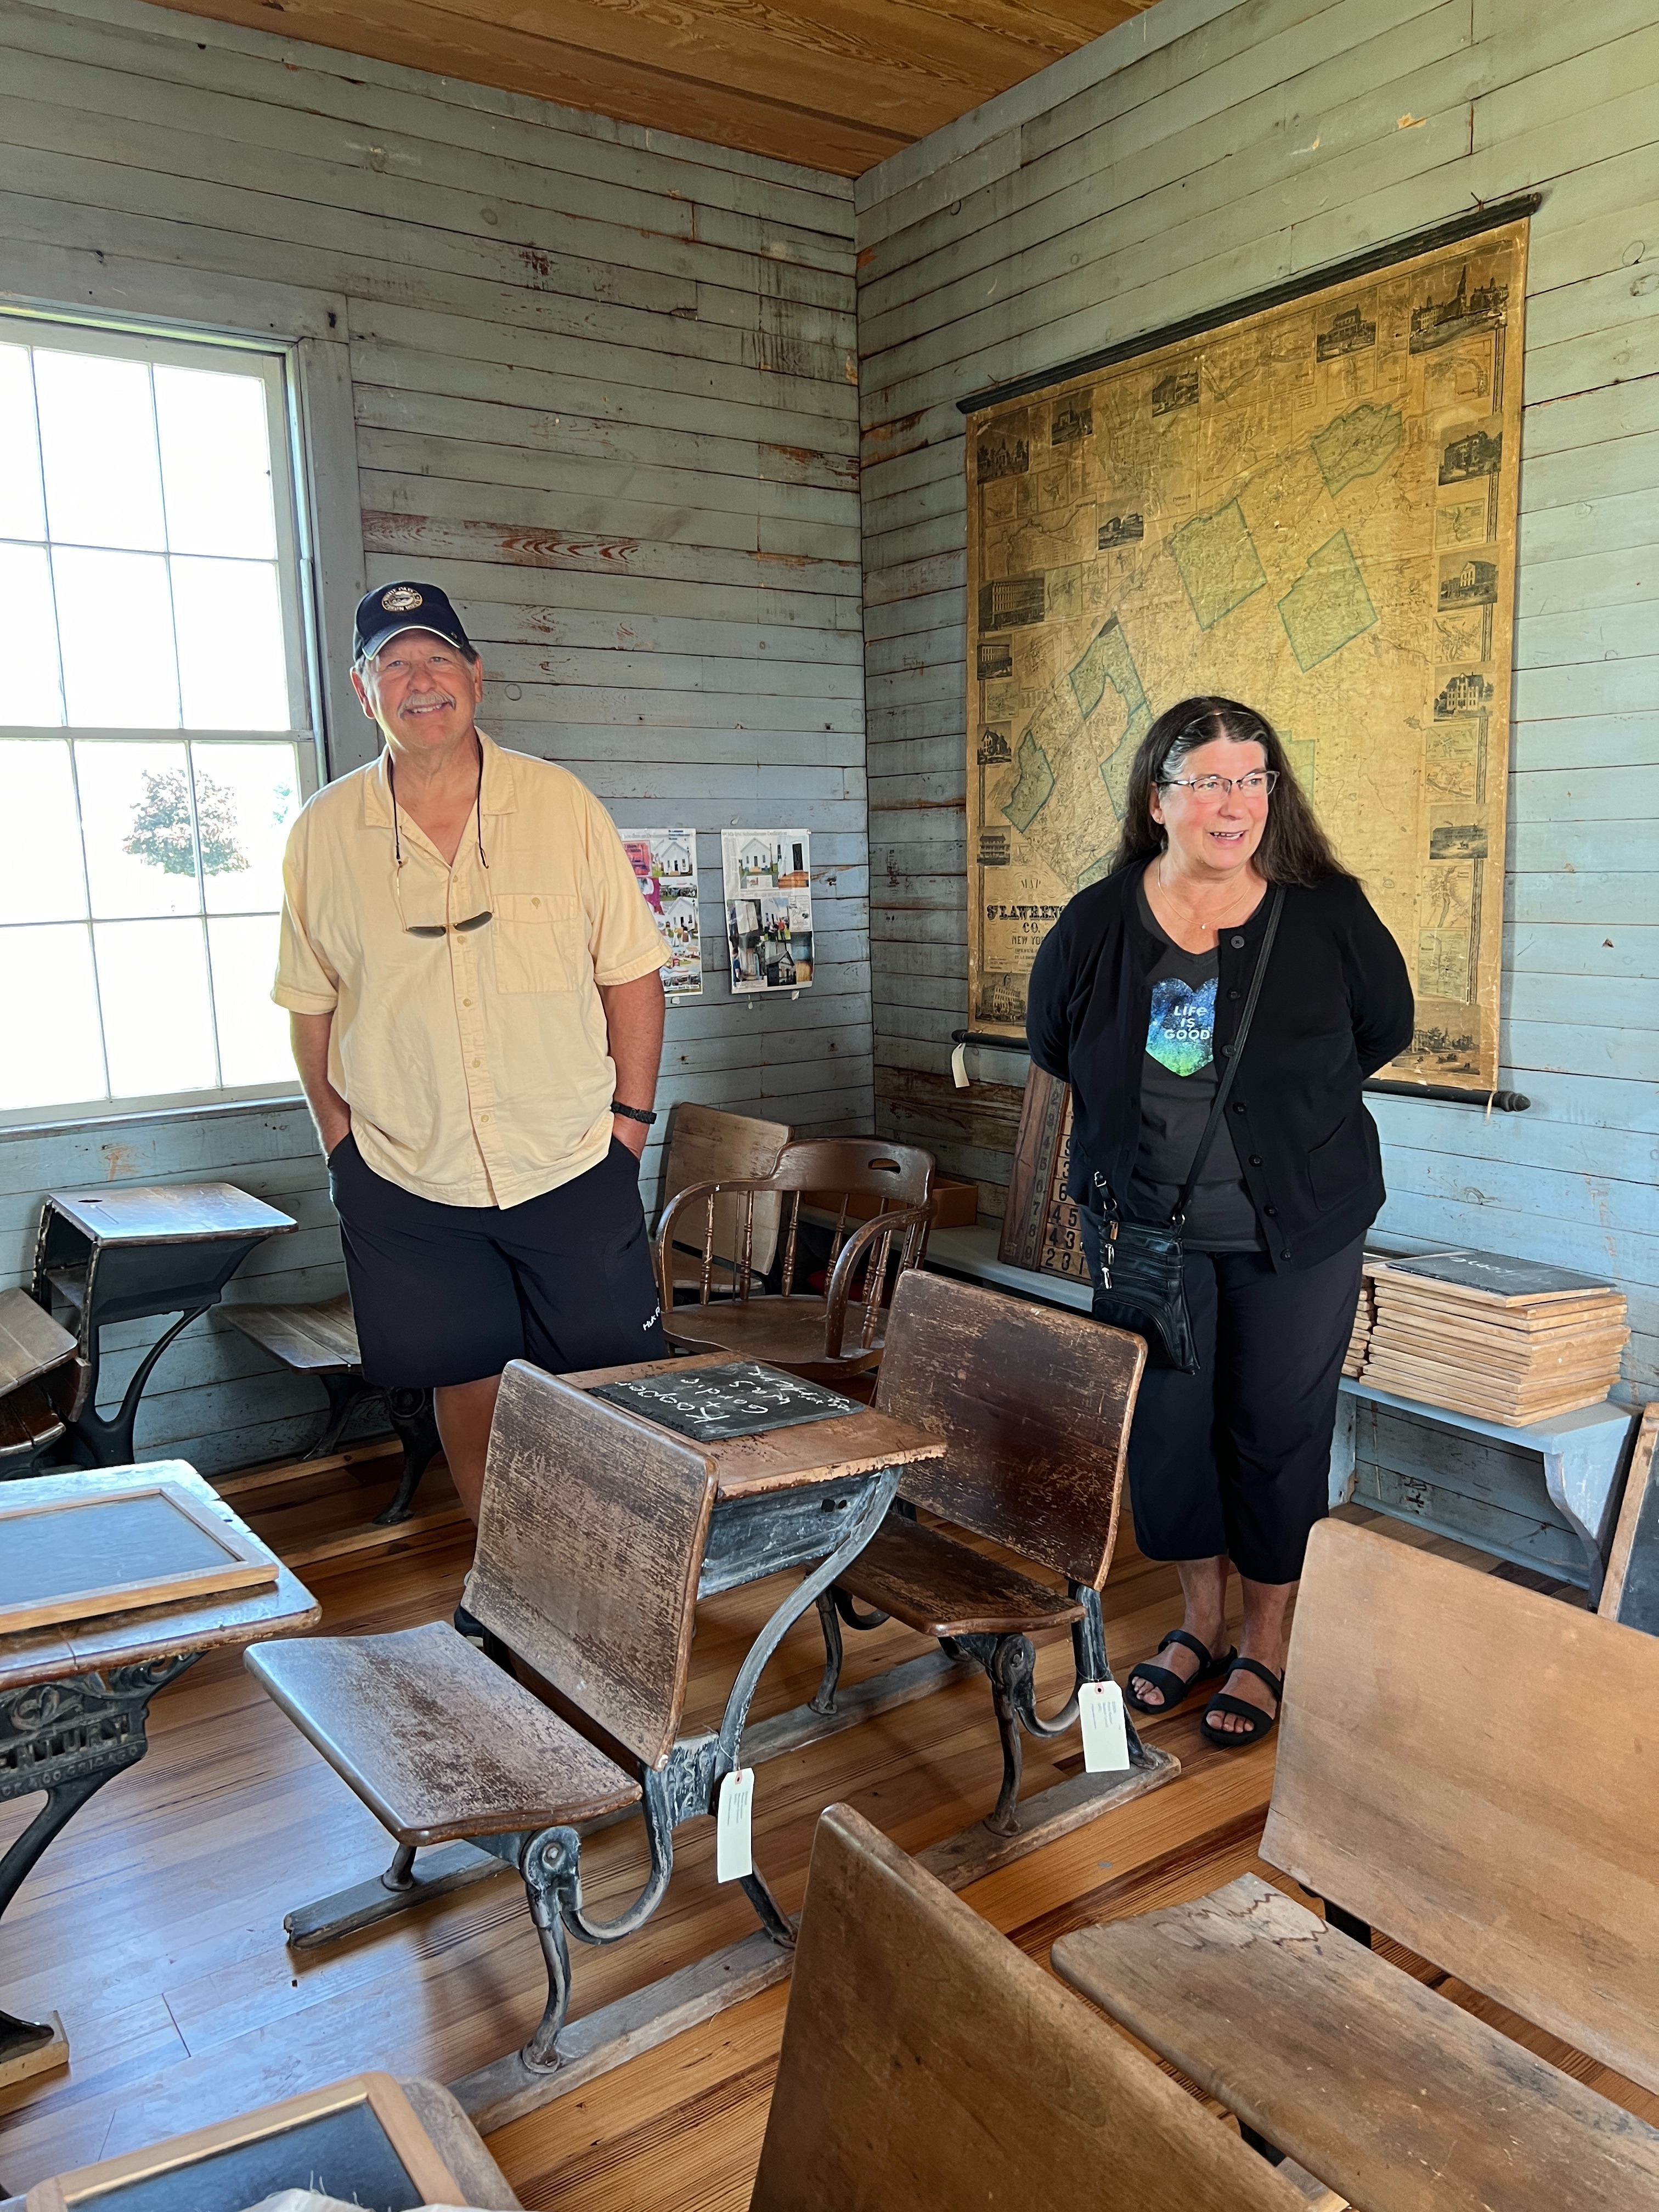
114	1550
712	1404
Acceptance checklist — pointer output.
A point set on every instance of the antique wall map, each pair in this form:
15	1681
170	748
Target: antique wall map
1311	509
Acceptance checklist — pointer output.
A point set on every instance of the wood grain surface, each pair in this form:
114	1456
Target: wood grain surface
434	1738
170	1213
31	1341
1397	2098
589	1542
1035	1404
927	2061
1499	1818
312	1339
836	87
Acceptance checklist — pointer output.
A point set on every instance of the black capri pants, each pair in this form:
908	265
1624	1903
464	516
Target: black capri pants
450	1293
1236	1458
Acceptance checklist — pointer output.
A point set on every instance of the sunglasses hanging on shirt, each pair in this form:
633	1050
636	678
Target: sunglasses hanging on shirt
435	928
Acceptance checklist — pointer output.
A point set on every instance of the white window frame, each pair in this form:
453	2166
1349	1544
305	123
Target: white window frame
279	363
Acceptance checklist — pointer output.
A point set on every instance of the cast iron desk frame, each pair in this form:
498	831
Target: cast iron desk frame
127	1253
74	1701
819	1514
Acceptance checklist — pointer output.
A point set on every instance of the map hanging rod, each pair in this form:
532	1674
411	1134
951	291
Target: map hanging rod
1469	224
1489	1102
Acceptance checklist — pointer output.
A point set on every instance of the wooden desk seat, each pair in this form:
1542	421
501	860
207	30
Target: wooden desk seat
1035	1404
43	1382
592	1531
321	1341
929	2066
1498	1820
435	1739
940	1587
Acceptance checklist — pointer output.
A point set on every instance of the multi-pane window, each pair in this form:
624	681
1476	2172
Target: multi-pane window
156	727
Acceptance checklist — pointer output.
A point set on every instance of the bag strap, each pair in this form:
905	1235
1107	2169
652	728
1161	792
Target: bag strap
1237	1054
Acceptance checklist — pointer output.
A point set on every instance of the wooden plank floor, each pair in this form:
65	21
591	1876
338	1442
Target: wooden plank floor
154	1925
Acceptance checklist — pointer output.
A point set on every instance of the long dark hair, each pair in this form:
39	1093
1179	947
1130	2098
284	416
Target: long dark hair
1294	849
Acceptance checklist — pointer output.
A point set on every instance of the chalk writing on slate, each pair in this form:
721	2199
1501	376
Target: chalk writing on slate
711	1404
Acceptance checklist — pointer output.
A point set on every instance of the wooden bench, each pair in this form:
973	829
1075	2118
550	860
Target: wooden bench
1469	1766
830	1339
929	2066
1036	1404
321	1341
43	1384
592	1535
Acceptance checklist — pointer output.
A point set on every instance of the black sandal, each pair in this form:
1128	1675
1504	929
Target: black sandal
1175	1688
1261	1725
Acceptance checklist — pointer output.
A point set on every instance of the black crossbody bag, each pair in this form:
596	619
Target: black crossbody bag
1141	1287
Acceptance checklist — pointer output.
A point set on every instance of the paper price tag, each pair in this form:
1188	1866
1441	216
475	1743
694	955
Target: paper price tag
733	1857
1105	1741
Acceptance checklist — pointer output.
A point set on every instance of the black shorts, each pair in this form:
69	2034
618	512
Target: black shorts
450	1293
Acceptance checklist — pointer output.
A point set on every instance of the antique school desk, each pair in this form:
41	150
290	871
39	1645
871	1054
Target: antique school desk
73	1699
809	1495
128	1251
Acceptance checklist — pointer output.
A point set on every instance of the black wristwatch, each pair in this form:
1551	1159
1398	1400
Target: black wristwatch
633	1113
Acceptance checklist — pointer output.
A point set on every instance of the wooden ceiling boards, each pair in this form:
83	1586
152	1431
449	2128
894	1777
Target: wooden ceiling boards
832	84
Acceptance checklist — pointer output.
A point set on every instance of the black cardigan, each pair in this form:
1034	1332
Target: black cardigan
1335	1005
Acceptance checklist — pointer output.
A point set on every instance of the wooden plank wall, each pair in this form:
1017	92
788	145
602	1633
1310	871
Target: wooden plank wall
1191	158
604	389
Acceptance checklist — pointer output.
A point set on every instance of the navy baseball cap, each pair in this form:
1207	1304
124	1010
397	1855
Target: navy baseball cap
390	609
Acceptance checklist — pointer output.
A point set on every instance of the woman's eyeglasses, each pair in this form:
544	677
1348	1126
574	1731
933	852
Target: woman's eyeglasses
435	928
1258	784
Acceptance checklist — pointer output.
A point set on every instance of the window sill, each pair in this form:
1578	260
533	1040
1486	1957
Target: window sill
207	1109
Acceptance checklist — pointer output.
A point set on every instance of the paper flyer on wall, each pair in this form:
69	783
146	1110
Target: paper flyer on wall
666	862
769	908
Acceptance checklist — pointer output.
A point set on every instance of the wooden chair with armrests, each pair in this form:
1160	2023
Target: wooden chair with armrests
708	1146
1471	1768
1036	1404
929	2066
828	1339
592	1532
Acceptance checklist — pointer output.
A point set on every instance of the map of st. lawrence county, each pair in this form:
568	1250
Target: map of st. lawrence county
1311	510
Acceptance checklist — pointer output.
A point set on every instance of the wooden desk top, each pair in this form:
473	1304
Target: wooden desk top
31	1342
124	1639
785	1459
167	1213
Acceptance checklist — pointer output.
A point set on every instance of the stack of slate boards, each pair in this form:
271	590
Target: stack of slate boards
1365	1317
1509	1341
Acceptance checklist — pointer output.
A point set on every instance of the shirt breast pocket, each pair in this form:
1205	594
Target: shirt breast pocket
539	942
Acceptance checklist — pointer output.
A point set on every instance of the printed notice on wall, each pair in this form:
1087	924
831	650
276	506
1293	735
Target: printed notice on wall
769	908
666	862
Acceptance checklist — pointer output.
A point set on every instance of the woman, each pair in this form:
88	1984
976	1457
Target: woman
1134	999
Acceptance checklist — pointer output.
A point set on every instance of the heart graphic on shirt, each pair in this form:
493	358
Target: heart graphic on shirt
1180	1033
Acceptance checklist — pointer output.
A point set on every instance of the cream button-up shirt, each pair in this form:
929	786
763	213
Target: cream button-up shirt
476	1065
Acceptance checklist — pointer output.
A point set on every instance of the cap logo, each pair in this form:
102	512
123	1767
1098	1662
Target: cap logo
401	599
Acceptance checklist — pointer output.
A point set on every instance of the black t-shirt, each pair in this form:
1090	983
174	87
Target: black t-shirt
1178	1079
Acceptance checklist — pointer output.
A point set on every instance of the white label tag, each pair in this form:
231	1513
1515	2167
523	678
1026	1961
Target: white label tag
732	1856
1105	1741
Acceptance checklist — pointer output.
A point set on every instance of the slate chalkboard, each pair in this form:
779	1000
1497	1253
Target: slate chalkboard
1497	1274
342	2146
713	1404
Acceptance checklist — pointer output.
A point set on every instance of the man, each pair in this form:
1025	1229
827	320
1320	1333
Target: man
473	981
